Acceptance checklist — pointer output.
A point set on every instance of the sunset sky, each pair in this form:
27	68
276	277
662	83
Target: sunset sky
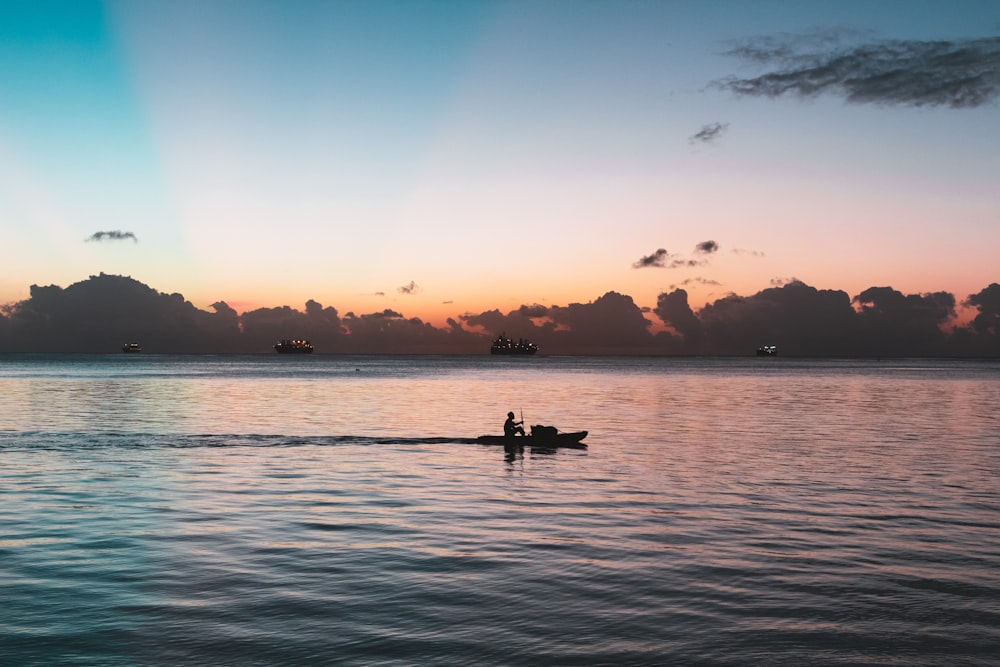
440	158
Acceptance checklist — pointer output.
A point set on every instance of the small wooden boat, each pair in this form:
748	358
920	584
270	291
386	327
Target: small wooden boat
545	437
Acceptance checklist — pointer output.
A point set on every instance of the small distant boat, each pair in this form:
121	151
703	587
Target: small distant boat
547	437
767	351
131	347
504	345
293	346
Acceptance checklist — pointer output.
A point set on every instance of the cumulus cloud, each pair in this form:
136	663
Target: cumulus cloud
952	73
744	251
708	133
112	236
612	321
533	311
707	247
988	303
674	310
98	314
411	288
611	324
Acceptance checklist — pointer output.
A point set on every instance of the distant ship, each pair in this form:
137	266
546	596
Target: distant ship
131	347
504	345
286	346
767	351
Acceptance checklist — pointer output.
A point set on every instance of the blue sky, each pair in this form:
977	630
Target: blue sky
488	153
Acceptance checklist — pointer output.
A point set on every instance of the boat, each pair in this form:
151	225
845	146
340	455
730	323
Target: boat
293	346
131	347
504	345
547	437
767	351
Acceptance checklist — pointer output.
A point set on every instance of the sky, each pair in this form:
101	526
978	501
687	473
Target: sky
444	158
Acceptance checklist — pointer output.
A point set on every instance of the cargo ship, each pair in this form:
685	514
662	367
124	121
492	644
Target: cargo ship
504	345
289	346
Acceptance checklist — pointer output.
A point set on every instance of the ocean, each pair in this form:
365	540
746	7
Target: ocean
336	510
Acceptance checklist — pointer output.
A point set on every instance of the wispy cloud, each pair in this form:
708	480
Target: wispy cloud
411	288
708	133
657	259
696	281
781	282
952	73
680	263
661	259
111	236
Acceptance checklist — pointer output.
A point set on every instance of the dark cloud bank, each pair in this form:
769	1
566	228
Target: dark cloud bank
99	314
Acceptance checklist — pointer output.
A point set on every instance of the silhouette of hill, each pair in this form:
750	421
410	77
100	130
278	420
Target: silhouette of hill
99	314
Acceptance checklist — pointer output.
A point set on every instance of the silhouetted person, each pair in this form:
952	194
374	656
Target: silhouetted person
510	427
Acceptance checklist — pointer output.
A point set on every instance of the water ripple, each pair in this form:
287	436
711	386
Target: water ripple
852	518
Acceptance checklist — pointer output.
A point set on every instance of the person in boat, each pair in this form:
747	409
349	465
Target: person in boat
511	427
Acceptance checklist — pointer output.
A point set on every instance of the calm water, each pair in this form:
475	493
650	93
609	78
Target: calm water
263	510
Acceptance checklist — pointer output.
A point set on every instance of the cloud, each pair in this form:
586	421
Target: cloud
905	323
707	247
680	263
612	321
611	324
657	259
708	133
411	288
390	332
661	259
697	281
988	303
387	314
956	73
533	311
99	314
674	310
111	236
744	251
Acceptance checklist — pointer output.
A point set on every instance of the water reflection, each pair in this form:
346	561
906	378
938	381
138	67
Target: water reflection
721	517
